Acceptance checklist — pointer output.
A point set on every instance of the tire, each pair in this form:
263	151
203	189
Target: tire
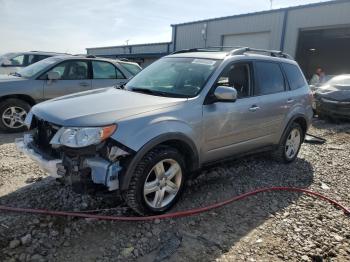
16	108
283	153
136	195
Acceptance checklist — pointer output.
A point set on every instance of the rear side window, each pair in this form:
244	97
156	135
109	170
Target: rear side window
269	78
294	75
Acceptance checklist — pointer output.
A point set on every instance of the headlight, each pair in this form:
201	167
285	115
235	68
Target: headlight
82	136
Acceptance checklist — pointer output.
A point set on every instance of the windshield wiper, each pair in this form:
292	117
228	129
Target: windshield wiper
16	74
150	91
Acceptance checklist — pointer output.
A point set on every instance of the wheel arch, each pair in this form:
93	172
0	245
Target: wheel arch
298	118
25	98
178	141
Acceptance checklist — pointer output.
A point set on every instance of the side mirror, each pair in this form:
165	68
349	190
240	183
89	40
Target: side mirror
6	62
225	94
53	75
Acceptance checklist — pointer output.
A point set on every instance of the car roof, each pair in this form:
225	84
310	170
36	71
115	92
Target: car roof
93	58
42	53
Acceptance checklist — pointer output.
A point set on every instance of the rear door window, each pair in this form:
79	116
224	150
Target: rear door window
269	78
295	76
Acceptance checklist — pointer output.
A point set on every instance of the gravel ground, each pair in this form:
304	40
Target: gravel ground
267	227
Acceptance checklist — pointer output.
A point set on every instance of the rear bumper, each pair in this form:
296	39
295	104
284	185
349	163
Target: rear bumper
25	146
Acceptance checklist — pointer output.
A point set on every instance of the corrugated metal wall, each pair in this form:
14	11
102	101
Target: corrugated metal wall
212	32
190	35
131	49
330	15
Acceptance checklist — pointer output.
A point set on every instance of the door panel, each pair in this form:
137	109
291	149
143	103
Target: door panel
58	88
270	88
73	78
232	128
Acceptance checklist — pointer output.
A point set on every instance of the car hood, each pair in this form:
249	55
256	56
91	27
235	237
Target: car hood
9	78
335	92
100	107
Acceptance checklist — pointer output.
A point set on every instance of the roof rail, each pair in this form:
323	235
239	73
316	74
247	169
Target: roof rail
194	50
236	50
274	53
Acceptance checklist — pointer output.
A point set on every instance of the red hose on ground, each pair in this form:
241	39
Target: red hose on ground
176	214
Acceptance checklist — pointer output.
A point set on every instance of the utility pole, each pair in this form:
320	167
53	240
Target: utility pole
127	42
271	4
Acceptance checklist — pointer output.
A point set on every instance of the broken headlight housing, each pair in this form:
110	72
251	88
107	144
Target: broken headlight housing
76	137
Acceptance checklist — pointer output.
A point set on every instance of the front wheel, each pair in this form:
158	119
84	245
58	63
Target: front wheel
157	182
12	115
290	145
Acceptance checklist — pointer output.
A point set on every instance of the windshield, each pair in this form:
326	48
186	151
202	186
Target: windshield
177	77
35	68
339	80
131	68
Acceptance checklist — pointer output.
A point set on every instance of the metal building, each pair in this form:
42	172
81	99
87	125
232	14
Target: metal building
315	34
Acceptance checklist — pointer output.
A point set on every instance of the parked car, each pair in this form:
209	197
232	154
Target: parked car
184	111
12	62
53	77
332	100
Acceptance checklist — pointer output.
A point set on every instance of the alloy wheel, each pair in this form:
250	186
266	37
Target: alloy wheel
14	116
293	143
163	183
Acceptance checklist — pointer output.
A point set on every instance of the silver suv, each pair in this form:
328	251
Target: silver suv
181	113
53	77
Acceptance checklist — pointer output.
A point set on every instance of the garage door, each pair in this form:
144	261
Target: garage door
254	40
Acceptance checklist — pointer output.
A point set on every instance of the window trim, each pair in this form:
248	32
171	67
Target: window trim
285	83
250	64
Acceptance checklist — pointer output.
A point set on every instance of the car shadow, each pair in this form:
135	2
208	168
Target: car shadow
337	127
221	229
6	138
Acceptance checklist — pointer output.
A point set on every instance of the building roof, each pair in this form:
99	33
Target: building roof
127	46
265	12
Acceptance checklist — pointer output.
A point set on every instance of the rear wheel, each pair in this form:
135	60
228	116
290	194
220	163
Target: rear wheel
13	113
290	145
157	182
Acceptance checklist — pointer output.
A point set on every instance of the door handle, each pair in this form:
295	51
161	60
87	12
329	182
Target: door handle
253	108
290	100
83	84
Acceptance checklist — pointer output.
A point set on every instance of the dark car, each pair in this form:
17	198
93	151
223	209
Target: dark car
332	100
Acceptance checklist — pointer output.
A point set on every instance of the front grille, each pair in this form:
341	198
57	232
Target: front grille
45	131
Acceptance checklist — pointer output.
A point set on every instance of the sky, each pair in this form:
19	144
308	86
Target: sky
73	25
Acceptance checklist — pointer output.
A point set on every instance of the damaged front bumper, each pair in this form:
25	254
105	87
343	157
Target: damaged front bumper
333	108
25	146
101	171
